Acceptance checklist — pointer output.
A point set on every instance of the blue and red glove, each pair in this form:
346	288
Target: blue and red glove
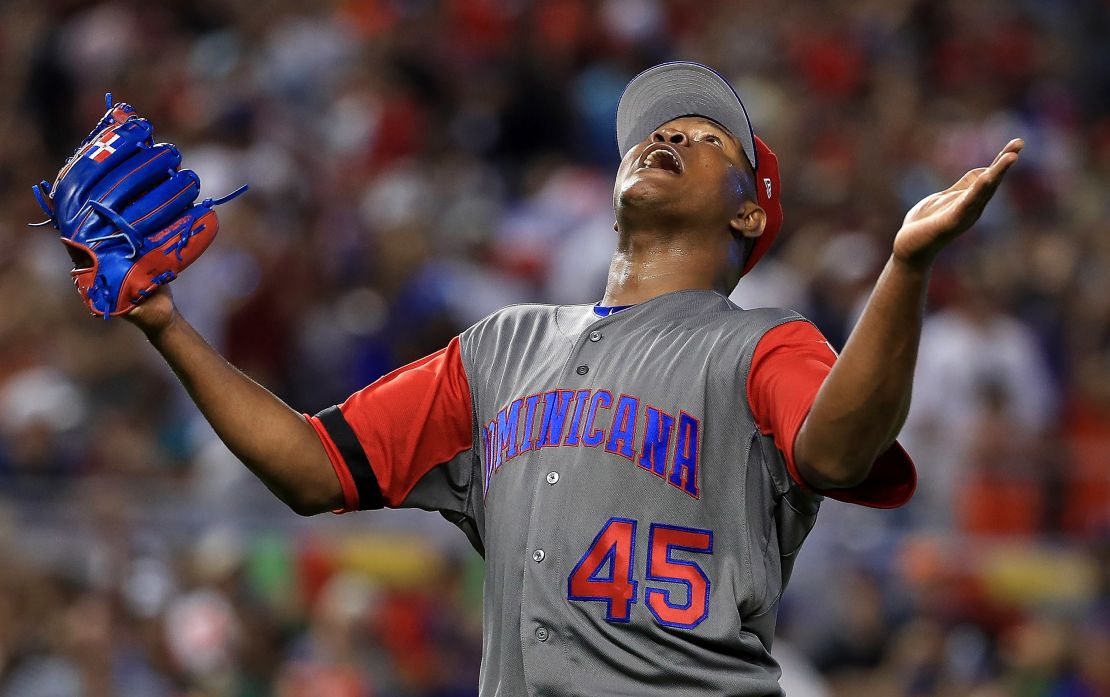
126	213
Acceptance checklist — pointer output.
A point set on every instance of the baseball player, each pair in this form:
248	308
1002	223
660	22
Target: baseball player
638	473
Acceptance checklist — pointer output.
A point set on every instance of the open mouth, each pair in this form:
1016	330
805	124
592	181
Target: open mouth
661	156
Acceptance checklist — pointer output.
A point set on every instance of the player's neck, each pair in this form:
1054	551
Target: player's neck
648	265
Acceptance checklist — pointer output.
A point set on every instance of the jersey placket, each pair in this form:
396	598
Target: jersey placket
544	622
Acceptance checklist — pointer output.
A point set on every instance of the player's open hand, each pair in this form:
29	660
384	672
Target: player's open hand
942	217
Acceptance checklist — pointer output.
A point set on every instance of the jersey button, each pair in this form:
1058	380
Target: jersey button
538	555
582	369
552	477
541	633
595	335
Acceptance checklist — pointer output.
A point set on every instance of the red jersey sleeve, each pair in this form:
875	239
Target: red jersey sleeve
391	433
790	363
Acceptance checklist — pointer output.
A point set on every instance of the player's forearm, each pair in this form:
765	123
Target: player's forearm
863	403
275	442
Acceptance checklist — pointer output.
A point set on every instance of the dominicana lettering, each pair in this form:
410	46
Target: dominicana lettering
656	441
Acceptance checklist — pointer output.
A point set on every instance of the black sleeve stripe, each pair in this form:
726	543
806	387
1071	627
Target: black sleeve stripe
369	491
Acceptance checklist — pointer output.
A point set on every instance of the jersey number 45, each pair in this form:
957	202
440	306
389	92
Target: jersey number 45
604	573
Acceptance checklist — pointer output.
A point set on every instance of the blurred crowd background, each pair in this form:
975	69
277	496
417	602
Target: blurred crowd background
416	164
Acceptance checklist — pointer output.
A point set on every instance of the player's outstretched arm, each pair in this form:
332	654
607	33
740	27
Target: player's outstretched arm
125	211
275	442
863	403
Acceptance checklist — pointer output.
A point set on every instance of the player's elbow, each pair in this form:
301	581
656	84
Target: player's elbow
305	481
325	497
838	455
306	508
834	474
309	500
825	467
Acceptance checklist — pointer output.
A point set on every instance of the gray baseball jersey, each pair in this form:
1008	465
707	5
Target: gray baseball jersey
638	526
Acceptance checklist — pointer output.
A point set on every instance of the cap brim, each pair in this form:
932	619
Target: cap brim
673	90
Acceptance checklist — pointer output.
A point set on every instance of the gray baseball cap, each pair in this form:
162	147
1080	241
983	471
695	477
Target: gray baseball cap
682	88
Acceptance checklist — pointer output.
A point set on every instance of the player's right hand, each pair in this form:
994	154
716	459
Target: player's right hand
124	210
155	313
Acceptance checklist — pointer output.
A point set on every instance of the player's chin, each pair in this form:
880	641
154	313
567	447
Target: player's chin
649	187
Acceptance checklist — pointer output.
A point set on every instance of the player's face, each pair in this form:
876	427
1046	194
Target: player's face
690	169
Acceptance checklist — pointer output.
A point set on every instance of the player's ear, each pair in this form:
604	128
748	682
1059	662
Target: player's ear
750	220
615	228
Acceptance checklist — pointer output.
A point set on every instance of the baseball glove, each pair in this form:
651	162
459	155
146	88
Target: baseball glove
126	213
